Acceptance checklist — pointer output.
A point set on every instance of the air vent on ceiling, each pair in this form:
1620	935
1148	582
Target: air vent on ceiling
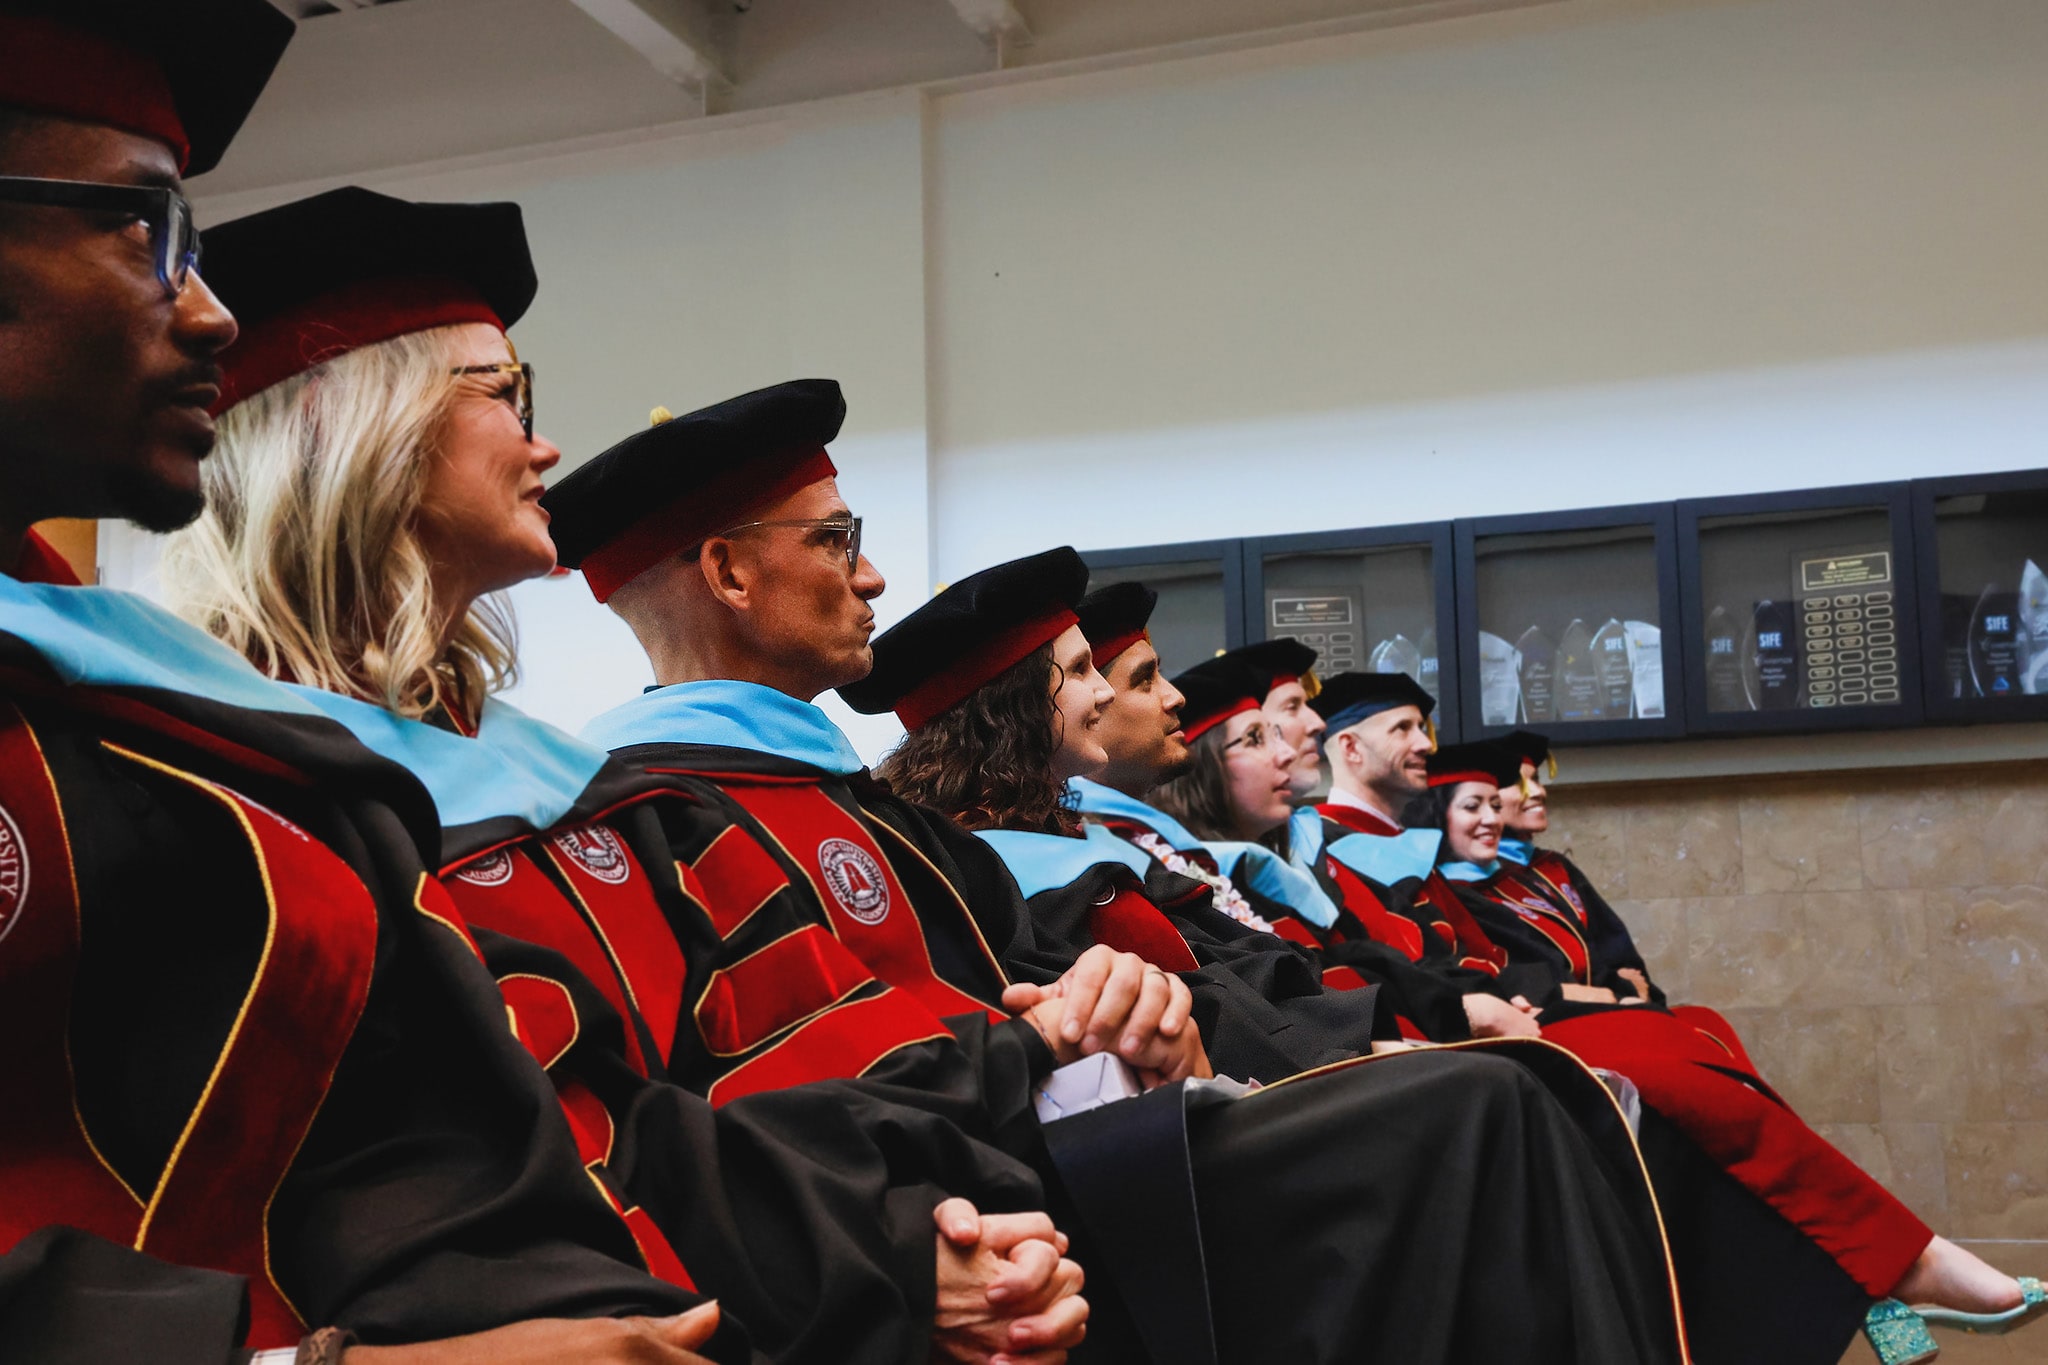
320	9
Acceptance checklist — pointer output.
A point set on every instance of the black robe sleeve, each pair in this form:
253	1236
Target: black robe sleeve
807	1212
1608	938
69	1298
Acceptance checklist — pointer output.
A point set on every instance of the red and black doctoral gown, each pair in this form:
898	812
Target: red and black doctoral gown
1320	1244
1781	1240
806	1211
240	1038
1545	911
1425	1002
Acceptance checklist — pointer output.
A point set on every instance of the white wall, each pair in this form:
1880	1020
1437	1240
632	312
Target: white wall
1601	251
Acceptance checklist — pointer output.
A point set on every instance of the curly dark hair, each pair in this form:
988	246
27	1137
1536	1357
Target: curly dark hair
1199	794
988	761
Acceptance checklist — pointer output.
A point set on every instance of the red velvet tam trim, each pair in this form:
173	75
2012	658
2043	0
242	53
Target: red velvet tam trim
274	349
1107	650
965	676
48	67
1452	779
1191	733
1281	680
697	515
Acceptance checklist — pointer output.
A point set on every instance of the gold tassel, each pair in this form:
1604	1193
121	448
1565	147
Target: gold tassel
659	415
1431	724
1310	685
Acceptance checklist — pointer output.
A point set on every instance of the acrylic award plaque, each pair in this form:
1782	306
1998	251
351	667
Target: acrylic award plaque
1611	663
1577	680
1725	691
1426	646
1995	644
1539	677
1770	659
1646	668
2034	627
1398	655
1500	686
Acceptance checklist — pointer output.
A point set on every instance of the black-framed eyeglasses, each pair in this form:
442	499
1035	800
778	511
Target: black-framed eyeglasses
167	212
1254	738
523	398
846	525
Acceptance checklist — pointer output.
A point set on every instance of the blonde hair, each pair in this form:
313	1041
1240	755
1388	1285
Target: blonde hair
308	560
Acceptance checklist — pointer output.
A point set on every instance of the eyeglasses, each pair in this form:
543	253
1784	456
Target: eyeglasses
523	398
847	526
169	215
1254	738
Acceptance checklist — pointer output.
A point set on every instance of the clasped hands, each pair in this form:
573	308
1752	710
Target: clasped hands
1117	1002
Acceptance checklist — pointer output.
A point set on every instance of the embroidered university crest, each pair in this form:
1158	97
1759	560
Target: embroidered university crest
856	880
13	872
597	851
493	869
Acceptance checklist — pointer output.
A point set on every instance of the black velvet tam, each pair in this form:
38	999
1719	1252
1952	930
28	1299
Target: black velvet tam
969	634
272	263
669	486
1114	618
1348	698
1485	760
317	278
1534	748
214	58
1213	696
1258	669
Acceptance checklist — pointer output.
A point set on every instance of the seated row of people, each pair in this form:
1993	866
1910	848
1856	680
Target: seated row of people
465	1039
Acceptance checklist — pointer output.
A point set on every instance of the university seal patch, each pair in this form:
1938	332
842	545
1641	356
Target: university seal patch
13	872
596	850
493	869
856	880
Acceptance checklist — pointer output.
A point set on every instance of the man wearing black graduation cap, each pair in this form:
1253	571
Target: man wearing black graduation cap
243	1090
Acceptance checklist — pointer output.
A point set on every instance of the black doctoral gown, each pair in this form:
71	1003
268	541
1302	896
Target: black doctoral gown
807	1211
242	1039
1293	1271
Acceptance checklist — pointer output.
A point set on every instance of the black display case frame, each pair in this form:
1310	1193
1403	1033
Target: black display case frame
1437	535
1924	493
1896	500
1229	552
1660	518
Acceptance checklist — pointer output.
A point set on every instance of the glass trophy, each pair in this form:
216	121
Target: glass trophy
1770	661
1398	655
1725	691
2034	626
1995	643
1539	677
1577	681
1611	665
1426	647
1500	683
1645	668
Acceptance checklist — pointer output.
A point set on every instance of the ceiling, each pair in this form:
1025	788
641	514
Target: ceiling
373	84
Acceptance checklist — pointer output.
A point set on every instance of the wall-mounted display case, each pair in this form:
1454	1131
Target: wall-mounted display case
1865	606
1201	595
1799	610
1982	545
1562	624
1379	600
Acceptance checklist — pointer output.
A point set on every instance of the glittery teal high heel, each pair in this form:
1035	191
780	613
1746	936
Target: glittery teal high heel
1898	1335
2032	1298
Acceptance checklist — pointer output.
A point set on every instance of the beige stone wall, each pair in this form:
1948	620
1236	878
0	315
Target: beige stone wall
1880	939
